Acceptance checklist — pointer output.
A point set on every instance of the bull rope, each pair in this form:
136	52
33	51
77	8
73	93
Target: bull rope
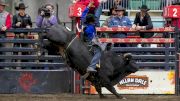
71	42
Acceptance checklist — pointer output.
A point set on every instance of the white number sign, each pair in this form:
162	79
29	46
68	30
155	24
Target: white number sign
175	12
79	11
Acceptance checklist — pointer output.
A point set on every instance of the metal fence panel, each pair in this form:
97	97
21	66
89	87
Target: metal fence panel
35	82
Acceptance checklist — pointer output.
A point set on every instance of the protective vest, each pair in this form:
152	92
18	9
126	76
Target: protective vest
3	17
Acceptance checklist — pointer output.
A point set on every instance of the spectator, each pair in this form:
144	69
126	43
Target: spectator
112	13
21	20
120	21
143	22
46	17
5	21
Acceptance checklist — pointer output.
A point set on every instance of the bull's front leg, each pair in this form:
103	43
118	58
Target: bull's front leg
106	83
98	89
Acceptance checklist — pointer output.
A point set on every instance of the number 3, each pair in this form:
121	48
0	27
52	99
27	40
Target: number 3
175	12
79	11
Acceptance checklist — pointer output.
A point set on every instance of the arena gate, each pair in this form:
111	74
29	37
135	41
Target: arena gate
31	72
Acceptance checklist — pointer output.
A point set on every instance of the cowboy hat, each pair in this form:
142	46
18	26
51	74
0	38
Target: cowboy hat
21	6
3	2
144	8
120	8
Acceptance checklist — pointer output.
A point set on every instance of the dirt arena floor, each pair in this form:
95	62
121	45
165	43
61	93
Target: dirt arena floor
72	97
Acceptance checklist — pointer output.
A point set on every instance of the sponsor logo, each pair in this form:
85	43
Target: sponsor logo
26	81
134	82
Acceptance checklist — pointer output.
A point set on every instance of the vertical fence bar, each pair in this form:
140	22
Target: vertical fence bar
143	2
177	36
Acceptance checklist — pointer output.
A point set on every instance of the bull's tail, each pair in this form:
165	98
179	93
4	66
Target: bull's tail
57	13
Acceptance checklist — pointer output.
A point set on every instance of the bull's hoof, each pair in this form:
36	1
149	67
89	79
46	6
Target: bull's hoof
124	98
103	97
121	97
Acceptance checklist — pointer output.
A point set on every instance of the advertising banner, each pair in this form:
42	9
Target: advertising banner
145	82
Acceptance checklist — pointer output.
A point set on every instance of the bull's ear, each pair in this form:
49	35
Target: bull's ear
57	14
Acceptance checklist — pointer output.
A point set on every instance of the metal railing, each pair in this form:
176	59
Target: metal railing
165	56
156	5
10	60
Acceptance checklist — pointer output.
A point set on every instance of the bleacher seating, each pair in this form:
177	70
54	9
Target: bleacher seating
135	4
153	4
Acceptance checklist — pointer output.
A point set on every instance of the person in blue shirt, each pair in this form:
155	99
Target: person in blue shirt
90	35
96	12
120	21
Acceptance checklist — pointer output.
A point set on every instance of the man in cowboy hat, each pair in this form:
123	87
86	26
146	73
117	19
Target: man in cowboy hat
120	21
143	21
5	21
21	20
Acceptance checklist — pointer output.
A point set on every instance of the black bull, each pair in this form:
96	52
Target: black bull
113	68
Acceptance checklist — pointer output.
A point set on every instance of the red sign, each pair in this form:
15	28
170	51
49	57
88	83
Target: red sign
172	11
26	81
76	10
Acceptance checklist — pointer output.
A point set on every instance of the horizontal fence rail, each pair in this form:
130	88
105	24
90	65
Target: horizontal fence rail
32	64
142	49
138	40
32	57
30	41
131	30
153	57
25	30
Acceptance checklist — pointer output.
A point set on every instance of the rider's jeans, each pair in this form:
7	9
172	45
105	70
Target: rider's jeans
96	58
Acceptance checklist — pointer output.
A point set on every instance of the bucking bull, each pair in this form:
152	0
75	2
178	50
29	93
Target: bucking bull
113	68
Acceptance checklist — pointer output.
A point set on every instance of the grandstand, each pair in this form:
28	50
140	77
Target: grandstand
132	6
